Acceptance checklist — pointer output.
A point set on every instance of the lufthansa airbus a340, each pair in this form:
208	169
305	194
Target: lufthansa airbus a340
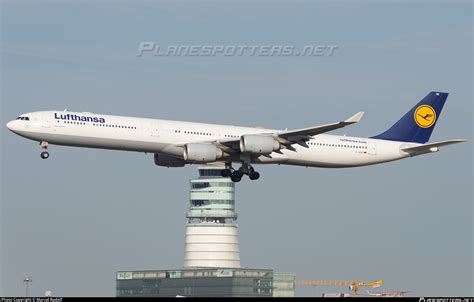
175	143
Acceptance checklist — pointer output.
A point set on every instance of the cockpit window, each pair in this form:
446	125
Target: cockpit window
23	118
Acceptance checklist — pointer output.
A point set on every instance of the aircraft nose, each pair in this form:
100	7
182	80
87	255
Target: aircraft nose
11	125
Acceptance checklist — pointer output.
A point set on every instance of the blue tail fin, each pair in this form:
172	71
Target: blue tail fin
418	123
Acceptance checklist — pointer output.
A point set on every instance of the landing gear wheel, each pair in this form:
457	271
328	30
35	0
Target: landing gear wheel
226	173
254	176
236	176
44	155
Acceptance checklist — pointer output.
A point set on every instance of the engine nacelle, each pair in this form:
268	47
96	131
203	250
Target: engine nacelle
168	161
260	144
201	153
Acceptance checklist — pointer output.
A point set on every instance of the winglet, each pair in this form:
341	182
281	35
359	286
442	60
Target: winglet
355	118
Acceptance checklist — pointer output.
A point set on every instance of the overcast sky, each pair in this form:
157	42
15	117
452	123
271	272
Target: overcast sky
72	221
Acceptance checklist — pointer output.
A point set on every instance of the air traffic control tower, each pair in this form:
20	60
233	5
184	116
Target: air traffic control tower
211	265
211	228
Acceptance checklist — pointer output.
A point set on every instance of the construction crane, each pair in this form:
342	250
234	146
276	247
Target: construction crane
353	285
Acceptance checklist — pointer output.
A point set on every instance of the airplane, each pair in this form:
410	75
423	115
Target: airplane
176	143
392	293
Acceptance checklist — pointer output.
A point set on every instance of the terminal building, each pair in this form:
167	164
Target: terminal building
211	265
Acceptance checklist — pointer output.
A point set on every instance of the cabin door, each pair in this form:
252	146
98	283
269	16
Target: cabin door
372	148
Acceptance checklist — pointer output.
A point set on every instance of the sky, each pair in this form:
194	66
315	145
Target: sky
72	221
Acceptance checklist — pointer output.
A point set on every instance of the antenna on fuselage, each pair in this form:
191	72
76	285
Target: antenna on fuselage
65	110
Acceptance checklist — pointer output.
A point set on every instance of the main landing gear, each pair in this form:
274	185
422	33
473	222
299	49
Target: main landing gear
236	175
44	154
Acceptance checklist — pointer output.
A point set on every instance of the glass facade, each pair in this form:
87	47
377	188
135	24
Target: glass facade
214	282
210	172
284	284
207	184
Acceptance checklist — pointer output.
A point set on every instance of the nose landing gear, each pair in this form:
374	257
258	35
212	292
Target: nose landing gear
44	154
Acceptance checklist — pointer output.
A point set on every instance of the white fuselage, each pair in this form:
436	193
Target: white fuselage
167	137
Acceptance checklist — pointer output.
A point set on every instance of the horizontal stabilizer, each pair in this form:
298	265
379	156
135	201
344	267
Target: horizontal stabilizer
432	147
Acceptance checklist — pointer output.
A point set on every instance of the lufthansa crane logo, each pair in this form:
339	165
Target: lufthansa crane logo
425	116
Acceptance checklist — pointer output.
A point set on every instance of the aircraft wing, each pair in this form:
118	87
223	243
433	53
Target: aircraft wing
295	135
299	136
432	147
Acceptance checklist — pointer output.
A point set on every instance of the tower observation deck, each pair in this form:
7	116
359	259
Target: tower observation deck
211	228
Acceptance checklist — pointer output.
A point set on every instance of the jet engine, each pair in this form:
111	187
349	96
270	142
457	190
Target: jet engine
165	160
260	144
201	153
